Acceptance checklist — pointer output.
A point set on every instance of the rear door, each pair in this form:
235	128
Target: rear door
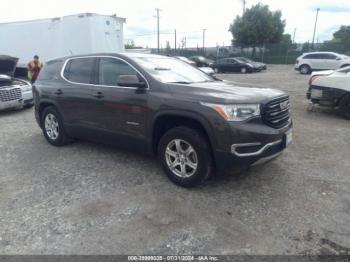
120	111
331	61
75	93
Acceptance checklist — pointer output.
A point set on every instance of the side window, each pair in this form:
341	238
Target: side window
330	56
110	69
312	56
51	70
80	70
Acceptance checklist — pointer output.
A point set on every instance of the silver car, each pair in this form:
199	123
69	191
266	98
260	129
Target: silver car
14	92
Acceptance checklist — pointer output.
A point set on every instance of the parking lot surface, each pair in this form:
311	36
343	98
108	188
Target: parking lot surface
87	198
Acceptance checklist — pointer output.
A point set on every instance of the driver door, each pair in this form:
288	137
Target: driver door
120	111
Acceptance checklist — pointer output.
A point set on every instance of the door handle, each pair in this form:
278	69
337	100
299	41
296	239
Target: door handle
98	95
58	92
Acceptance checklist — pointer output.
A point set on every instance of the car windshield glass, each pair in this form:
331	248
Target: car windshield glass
244	59
171	70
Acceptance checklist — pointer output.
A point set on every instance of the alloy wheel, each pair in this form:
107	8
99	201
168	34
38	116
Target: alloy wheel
51	126
181	158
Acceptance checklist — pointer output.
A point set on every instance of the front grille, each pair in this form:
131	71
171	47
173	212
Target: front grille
7	95
276	112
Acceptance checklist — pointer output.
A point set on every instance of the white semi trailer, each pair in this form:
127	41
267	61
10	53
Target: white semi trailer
62	36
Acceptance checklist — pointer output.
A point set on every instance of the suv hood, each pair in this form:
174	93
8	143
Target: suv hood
224	92
8	65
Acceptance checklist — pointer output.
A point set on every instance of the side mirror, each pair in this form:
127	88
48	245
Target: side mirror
130	81
338	58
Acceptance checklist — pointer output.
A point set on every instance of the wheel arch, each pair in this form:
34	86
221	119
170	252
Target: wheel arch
167	120
44	104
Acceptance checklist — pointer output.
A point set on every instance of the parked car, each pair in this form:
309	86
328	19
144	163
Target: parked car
186	60
201	61
164	107
206	69
309	62
233	65
331	89
259	65
14	92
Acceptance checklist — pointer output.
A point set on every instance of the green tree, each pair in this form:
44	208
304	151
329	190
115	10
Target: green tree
130	44
258	26
342	35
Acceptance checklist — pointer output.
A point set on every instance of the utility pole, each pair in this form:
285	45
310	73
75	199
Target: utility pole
175	41
295	30
243	1
204	40
158	39
313	37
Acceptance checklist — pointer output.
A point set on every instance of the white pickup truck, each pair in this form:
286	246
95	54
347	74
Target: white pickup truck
14	92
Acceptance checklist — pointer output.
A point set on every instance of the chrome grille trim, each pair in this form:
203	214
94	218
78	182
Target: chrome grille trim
12	94
276	112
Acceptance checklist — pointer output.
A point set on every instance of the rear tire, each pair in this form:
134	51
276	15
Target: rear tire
305	69
52	126
185	156
344	106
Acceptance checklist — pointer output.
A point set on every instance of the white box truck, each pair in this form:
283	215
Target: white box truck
62	36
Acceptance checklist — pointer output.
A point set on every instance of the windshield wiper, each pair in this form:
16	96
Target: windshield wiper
180	82
162	69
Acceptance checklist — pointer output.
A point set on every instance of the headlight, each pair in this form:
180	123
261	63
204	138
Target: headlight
26	88
239	112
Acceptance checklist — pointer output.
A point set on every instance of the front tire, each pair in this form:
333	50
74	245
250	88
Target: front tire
344	106
244	70
185	156
52	126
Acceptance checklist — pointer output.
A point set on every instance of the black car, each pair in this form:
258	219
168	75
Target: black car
161	106
233	65
259	65
201	61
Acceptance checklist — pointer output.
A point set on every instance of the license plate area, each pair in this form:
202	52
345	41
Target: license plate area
316	93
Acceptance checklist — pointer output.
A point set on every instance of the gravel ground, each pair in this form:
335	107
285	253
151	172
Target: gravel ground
91	199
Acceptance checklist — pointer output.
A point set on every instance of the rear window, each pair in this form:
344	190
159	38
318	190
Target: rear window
80	70
51	70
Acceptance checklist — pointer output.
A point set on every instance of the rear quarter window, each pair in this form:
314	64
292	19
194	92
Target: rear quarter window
80	70
51	70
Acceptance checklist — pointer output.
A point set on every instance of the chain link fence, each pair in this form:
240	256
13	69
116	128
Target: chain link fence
267	53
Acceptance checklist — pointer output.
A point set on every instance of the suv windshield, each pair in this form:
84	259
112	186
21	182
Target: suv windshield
170	70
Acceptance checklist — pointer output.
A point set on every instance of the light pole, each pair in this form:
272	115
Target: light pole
204	40
313	37
158	39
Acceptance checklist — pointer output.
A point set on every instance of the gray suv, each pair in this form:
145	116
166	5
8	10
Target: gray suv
163	107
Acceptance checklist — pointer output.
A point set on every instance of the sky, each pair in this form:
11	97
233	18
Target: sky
188	17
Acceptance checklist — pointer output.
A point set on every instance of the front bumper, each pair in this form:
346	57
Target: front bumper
252	144
324	96
26	98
